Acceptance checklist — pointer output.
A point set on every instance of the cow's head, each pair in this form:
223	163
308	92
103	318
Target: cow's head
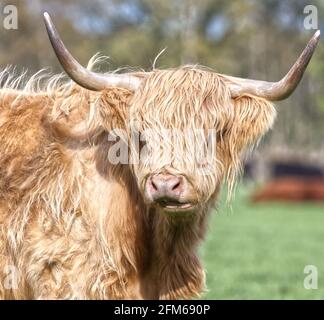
189	124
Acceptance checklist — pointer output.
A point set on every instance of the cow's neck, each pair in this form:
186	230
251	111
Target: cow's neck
160	251
174	266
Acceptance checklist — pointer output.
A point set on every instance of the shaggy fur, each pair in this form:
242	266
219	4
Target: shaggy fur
77	226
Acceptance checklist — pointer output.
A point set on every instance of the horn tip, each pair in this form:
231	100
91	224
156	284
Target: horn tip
317	34
46	15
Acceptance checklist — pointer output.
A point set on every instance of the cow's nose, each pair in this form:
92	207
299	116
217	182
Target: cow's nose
165	186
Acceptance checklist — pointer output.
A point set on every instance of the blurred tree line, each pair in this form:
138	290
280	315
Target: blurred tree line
247	38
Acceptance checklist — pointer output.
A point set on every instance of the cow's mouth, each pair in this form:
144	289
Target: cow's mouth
173	206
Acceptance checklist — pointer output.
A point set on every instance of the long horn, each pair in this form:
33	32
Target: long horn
84	77
275	91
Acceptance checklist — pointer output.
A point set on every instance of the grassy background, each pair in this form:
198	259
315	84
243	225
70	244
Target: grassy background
260	251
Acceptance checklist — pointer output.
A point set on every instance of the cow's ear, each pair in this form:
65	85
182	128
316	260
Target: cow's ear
82	114
251	118
114	108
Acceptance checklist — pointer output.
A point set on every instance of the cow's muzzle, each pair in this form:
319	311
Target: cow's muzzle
169	192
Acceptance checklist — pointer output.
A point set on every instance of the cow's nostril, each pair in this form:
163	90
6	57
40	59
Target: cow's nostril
176	186
154	185
165	186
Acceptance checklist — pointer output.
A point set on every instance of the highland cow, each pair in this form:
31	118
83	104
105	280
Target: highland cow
77	226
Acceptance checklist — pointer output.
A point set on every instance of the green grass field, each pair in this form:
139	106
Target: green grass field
260	251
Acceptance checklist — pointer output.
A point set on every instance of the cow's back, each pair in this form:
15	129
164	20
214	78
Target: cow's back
21	136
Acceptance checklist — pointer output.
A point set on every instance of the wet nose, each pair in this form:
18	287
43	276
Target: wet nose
165	186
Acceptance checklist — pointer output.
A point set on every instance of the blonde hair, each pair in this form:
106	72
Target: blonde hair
69	216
